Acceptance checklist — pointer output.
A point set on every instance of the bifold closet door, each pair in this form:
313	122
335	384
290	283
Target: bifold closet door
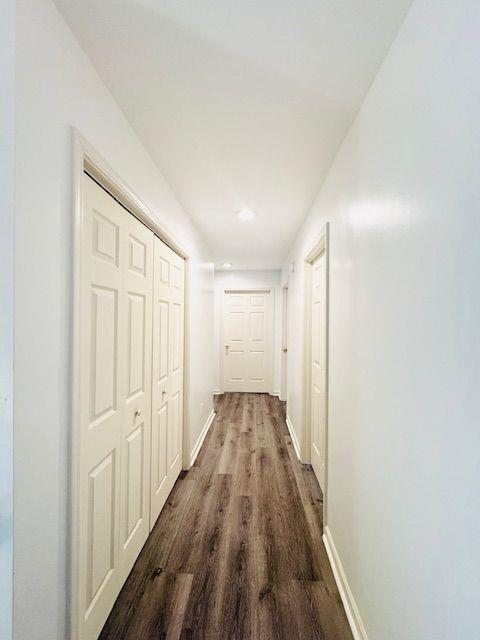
112	462
167	376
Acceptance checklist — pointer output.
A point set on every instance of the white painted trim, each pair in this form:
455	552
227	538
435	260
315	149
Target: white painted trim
284	280
101	172
201	437
293	436
350	606
7	314
275	393
217	392
284	351
87	159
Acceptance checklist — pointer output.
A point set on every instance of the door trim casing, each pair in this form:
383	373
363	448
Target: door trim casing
320	245
87	159
284	353
271	291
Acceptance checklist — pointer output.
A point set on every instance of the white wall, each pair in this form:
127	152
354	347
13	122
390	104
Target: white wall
403	200
56	88
7	96
248	280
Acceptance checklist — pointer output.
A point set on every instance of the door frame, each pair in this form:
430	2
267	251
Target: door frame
270	290
320	245
87	159
7	318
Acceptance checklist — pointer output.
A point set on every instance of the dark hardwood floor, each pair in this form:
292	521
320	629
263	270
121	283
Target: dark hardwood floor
237	551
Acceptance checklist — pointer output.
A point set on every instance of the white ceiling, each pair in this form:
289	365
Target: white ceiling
242	103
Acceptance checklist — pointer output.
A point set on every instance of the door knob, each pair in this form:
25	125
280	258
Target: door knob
284	349
138	413
226	348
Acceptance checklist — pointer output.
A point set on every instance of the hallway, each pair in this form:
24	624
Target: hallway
239	311
236	552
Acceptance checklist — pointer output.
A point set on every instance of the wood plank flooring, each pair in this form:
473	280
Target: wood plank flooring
236	553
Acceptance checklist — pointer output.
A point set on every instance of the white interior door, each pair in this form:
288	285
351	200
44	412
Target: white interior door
247	349
318	365
167	382
113	448
284	343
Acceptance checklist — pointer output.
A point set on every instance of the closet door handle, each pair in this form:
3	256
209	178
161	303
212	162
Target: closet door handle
138	413
226	349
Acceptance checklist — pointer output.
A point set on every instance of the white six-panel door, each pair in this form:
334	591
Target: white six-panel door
318	365
247	341
167	382
114	436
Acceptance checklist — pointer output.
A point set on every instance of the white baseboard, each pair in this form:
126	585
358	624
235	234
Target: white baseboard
293	436
351	609
275	393
217	392
201	437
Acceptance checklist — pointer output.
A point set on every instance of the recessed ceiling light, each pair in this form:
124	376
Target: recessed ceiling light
227	265
246	214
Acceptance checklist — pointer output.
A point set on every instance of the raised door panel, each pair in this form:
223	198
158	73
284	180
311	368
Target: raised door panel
178	272
257	366
236	300
137	256
136	343
162	276
103	367
173	445
159	448
101	533
257	300
236	365
177	338
236	329
162	333
257	326
105	238
315	419
134	478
